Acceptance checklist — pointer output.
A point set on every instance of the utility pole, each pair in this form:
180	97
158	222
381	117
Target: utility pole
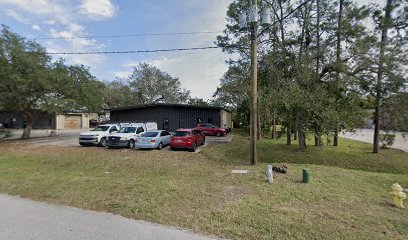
265	19
254	84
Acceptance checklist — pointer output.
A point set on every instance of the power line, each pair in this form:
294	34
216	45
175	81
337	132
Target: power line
158	34
125	35
134	51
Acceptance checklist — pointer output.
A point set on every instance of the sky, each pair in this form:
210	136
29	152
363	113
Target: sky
54	23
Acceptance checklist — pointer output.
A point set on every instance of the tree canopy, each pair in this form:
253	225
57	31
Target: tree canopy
31	83
317	64
146	85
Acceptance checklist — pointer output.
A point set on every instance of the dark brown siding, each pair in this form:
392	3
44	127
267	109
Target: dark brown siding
178	116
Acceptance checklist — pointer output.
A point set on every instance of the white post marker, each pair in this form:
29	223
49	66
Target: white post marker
269	173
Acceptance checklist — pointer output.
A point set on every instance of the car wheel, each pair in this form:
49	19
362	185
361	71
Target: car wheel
131	144
172	149
194	147
160	146
82	144
102	143
218	134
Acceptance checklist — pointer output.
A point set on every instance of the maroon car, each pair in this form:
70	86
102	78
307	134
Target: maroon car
187	138
210	130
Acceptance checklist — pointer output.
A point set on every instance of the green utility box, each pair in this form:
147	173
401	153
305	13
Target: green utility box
306	176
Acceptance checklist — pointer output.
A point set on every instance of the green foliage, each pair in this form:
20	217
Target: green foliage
387	140
146	85
198	102
153	85
234	90
31	83
317	68
5	133
395	112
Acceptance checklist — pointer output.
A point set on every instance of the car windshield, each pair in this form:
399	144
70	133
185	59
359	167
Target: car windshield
101	128
128	130
181	134
150	134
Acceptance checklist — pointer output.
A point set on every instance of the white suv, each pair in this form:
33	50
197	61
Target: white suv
98	135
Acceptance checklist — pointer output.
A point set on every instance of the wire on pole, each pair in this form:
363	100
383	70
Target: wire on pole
133	51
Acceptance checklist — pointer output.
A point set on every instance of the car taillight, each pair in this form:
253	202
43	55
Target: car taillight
189	139
152	141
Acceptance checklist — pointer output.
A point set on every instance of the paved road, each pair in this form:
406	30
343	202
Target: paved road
24	219
367	135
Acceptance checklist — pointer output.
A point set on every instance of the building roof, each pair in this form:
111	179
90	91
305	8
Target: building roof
168	105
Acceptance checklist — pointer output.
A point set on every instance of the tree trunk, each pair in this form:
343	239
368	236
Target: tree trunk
317	137
301	134
274	128
259	129
317	39
336	136
27	130
378	97
338	52
288	136
317	140
288	129
295	128
299	114
302	140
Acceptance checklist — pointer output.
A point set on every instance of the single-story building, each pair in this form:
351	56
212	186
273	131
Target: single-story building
68	121
173	116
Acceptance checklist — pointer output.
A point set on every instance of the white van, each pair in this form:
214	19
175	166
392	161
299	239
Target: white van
128	133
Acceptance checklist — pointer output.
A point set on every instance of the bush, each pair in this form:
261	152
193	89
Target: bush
387	140
4	133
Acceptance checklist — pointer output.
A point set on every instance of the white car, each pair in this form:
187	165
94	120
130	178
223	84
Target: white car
153	139
98	135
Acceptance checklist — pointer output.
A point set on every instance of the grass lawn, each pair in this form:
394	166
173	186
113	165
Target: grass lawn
347	196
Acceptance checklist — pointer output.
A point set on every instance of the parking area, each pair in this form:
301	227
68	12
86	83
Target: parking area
67	138
70	139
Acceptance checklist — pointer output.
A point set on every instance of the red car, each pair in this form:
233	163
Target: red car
187	138
210	130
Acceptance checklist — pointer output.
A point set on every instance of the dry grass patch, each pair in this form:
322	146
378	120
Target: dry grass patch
199	192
